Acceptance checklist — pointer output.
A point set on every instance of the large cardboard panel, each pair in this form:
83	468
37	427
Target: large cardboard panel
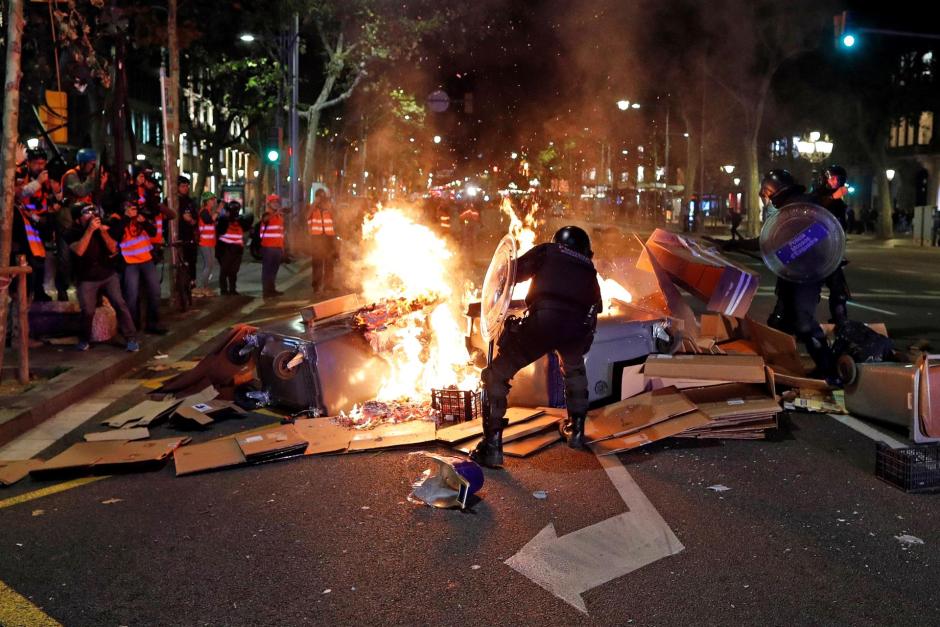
129	453
653	433
678	308
282	439
77	458
474	428
740	368
518	431
120	435
634	414
211	455
13	471
532	444
331	307
323	435
391	435
142	413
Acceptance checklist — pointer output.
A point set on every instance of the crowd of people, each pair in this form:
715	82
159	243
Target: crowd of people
110	240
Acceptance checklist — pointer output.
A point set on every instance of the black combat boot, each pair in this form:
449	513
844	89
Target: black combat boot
489	452
572	430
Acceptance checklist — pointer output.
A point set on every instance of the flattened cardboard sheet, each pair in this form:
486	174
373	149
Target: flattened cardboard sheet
532	444
391	435
211	455
140	452
142	414
85	457
119	435
654	433
518	431
739	368
274	442
634	414
78	457
323	435
474	428
13	471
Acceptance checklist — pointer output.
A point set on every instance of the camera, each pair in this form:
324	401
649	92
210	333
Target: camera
94	210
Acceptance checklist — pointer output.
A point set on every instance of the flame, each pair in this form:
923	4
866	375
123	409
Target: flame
611	291
523	231
409	268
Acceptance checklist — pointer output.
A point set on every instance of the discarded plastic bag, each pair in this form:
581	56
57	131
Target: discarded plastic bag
449	484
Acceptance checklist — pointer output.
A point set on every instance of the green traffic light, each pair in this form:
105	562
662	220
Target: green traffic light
848	40
273	155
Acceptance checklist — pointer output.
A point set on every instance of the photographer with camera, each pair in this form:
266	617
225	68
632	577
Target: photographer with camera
94	251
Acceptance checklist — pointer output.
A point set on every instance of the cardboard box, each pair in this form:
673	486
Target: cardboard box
747	336
737	368
13	471
723	286
653	433
331	307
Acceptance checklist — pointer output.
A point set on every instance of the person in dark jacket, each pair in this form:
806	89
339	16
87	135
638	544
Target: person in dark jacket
563	302
829	194
230	230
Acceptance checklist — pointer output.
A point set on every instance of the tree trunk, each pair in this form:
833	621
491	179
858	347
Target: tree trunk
752	189
171	116
11	117
313	125
885	224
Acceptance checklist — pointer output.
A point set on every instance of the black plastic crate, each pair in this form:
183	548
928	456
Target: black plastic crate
456	405
913	469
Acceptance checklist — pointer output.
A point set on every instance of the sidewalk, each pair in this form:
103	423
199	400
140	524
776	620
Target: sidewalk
63	376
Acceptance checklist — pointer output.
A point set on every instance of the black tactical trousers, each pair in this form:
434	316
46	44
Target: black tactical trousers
540	332
795	313
838	296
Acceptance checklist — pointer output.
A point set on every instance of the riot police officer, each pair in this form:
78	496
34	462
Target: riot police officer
829	194
795	310
562	306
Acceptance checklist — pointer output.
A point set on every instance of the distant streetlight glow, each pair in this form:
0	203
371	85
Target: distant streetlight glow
728	168
247	37
848	41
141	156
635	105
814	136
623	105
890	174
32	143
851	189
513	155
437	139
737	181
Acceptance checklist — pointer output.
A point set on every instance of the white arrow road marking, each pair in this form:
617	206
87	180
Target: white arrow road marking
570	565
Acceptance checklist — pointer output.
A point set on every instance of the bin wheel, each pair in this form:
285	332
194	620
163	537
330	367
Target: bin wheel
846	369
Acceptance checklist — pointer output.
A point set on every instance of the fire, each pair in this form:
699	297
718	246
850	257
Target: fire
523	230
409	270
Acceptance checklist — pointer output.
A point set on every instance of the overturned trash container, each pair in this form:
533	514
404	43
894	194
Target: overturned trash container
450	484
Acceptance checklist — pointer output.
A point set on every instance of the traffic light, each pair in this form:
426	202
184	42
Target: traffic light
842	30
273	155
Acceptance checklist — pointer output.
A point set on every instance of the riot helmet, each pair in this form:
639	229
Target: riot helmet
233	207
575	238
776	182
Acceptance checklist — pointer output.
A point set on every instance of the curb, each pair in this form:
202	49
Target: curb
79	387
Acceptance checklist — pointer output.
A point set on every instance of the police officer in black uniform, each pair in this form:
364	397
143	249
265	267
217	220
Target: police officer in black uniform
795	311
563	302
829	194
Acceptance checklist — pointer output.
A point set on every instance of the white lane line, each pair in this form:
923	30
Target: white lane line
886	291
869	431
868	307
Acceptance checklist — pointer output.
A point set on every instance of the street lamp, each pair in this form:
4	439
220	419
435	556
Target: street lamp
623	105
736	180
815	148
437	139
728	169
890	174
32	143
247	38
141	156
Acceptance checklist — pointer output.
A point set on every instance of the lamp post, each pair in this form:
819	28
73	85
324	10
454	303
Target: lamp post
815	148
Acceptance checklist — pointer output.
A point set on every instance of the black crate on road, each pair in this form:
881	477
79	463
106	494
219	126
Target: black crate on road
913	469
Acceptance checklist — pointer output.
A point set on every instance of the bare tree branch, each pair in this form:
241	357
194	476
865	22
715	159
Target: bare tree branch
343	96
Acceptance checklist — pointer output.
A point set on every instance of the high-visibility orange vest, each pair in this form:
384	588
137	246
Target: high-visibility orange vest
136	246
320	222
272	233
206	233
36	247
233	235
158	238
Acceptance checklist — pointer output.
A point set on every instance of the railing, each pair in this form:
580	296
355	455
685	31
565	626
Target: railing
7	273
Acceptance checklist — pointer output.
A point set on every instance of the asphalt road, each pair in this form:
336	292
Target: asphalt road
805	534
